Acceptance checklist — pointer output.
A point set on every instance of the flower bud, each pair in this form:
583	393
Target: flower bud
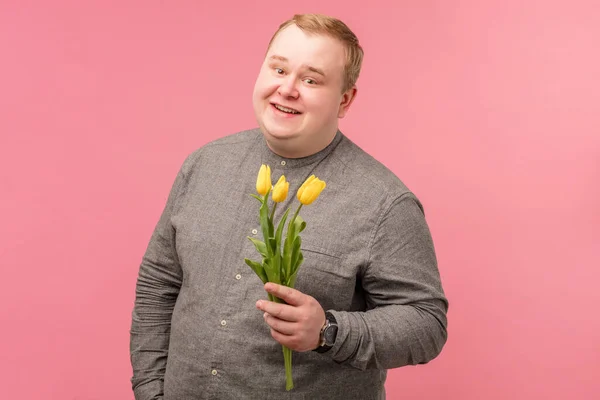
280	190
263	182
310	190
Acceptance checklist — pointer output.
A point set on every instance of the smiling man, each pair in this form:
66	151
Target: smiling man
368	296
301	91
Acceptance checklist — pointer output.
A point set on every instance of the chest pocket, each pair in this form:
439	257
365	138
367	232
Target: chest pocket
326	277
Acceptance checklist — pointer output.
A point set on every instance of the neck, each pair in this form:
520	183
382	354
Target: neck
300	146
290	148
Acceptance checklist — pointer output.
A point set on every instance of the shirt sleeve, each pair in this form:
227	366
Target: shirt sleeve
157	288
405	322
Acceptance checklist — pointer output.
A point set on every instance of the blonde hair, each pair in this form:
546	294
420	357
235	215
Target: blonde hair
324	25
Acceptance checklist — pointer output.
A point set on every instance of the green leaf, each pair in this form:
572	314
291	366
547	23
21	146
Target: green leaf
267	221
291	231
280	227
260	246
257	198
284	264
277	266
264	222
299	225
295	226
288	247
258	269
268	269
292	280
271	270
271	228
296	251
287	257
273	245
298	263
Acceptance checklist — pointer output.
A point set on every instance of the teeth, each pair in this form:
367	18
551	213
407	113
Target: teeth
284	109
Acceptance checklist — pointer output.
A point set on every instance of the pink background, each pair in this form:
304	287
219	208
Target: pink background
488	110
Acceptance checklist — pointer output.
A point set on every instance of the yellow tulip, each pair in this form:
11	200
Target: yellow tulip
263	182
310	190
280	190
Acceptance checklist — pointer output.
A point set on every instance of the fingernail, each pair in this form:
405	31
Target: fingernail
258	303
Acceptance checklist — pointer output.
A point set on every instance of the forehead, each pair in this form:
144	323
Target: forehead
317	50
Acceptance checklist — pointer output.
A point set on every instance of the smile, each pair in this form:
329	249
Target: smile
285	109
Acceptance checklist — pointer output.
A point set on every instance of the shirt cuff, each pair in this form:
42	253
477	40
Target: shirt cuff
346	341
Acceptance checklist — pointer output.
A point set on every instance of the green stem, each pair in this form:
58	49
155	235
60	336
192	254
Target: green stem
264	222
287	359
273	211
295	214
287	354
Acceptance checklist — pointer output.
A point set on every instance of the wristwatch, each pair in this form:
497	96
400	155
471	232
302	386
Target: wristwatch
328	333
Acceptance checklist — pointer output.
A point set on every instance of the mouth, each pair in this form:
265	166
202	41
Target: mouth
286	110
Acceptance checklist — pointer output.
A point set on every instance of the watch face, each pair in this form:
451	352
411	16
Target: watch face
330	334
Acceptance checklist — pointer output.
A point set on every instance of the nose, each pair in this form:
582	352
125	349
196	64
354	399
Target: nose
287	88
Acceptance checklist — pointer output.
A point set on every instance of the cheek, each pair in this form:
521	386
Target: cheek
264	87
322	106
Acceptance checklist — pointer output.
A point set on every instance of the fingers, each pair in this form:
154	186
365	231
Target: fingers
279	325
285	340
289	295
295	324
281	311
295	341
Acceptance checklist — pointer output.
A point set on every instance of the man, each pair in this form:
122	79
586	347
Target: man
368	296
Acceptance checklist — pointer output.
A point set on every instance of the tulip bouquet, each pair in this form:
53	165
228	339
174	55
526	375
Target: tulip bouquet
280	263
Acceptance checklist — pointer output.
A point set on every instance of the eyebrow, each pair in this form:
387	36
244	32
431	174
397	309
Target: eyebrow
310	68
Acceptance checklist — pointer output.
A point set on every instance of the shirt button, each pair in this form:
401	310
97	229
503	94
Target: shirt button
283	162
223	323
254	231
238	277
214	372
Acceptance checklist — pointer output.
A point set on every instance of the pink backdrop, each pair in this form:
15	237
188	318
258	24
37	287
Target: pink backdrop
488	110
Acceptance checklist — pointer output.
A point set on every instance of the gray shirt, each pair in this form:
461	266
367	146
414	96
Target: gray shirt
369	259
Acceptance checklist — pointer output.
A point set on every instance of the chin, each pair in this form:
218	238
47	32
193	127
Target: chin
276	131
280	134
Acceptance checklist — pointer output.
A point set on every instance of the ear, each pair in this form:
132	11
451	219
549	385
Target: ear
347	99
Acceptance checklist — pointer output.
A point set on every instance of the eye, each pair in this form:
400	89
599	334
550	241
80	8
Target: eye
278	71
310	81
